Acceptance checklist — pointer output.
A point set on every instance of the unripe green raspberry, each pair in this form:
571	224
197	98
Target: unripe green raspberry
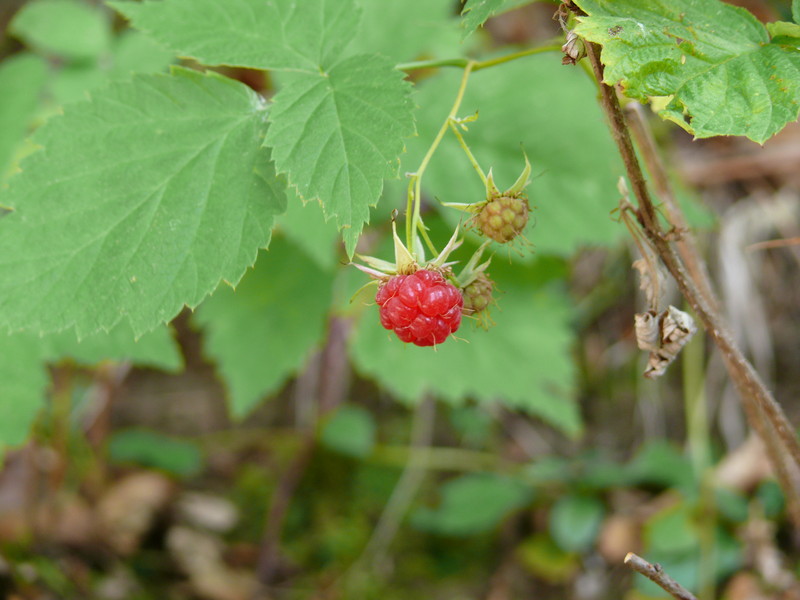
503	218
478	295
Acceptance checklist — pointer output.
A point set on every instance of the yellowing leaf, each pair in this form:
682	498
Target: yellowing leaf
717	60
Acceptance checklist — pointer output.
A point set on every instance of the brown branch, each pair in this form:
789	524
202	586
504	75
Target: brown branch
687	248
793	241
656	574
755	396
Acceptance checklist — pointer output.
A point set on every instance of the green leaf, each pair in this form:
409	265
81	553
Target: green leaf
262	333
683	560
305	225
796	11
23	381
350	431
672	530
473	504
281	34
542	557
339	134
408	30
574	522
151	449
22	78
72	82
523	361
731	504
142	200
134	52
155	348
547	110
477	12
69	28
130	52
661	463
716	60
770	497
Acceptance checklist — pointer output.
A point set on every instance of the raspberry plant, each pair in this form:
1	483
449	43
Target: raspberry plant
148	194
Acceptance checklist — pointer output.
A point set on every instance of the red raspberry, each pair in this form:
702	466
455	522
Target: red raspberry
503	218
421	308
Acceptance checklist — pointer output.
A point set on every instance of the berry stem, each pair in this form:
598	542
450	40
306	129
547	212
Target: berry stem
424	233
414	185
467	151
462	63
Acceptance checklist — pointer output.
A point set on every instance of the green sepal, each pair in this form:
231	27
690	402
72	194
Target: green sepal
403	260
491	189
472	269
463	206
522	181
379	265
439	261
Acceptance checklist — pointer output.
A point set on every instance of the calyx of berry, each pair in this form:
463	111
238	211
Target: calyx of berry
476	287
406	262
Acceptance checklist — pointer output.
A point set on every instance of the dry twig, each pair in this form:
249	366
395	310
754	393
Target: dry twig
656	574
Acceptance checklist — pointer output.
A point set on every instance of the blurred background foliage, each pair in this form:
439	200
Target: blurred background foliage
288	449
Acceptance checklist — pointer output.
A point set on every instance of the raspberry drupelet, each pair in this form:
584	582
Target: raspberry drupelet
421	308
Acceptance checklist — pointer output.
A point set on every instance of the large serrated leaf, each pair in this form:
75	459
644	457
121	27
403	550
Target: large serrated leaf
477	12
408	30
22	79
716	60
131	52
156	348
549	112
305	225
339	134
142	199
524	360
23	380
281	34
260	334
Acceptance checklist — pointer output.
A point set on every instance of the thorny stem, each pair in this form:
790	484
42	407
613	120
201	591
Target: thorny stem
756	398
467	151
655	166
414	185
462	63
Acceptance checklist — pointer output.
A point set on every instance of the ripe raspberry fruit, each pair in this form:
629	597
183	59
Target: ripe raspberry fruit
478	295
421	308
503	218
